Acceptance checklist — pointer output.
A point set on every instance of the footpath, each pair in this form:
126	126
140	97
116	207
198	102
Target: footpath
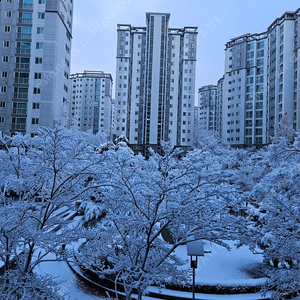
157	293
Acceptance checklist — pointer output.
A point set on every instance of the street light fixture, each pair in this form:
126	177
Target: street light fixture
194	249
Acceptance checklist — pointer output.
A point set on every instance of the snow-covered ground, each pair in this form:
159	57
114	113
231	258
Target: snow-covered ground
224	267
218	267
70	285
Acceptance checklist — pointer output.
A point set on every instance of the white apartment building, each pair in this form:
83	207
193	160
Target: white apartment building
207	107
261	81
155	83
91	106
35	51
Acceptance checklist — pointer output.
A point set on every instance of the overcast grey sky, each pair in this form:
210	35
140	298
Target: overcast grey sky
95	23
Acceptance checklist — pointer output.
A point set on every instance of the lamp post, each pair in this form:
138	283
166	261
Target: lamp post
194	249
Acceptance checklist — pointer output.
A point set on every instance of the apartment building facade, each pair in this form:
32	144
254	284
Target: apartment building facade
91	105
207	106
261	81
35	51
155	83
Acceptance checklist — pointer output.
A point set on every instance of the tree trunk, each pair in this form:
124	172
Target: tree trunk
140	294
29	257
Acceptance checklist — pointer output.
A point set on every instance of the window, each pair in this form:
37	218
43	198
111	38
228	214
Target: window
5	59
67	62
2	104
41	1
41	15
260	62
3	89
258	131
6	44
250	55
250	46
68	35
260	44
35	105
36	90
8	14
7	29
2	119
37	75
250	63
39	46
38	60
40	30
260	53
35	121
4	74
249	80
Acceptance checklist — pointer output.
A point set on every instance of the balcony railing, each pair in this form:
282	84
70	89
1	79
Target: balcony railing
21	80
20	96
25	6
18	126
23	50
19	111
22	66
25	36
24	20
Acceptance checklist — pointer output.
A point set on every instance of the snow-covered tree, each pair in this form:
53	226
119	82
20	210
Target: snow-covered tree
28	286
189	197
284	129
42	179
203	139
277	216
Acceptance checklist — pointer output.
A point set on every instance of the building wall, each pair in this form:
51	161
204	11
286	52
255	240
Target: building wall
37	62
245	91
155	83
91	102
261	82
209	109
207	99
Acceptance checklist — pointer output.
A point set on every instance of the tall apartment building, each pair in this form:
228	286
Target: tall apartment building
155	83
207	107
91	102
35	48
209	110
261	82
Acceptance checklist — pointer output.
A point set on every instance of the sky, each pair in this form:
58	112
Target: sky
95	23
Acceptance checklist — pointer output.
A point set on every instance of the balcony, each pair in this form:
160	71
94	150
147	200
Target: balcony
20	96
23	50
19	111
25	36
22	66
28	6
21	80
24	21
18	126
